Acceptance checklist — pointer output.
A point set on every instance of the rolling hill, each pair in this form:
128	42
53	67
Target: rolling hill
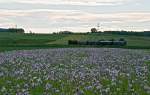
15	41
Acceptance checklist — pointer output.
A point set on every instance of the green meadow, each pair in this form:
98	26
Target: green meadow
17	41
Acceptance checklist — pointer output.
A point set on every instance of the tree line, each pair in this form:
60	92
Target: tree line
12	30
134	33
94	30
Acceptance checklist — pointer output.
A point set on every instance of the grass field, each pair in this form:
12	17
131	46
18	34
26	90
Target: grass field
14	41
73	71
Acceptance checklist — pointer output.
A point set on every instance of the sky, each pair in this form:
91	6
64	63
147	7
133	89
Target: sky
47	16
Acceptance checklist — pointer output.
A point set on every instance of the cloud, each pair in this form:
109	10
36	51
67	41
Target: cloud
6	13
7	24
78	16
47	19
70	2
116	17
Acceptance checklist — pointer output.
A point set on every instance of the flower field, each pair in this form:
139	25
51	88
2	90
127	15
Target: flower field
78	71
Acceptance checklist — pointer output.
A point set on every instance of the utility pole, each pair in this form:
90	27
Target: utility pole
98	27
30	32
16	26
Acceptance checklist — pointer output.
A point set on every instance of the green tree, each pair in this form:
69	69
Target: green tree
93	30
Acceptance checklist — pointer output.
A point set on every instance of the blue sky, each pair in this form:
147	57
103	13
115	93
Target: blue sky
45	16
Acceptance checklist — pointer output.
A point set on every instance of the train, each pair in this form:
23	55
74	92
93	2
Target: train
99	43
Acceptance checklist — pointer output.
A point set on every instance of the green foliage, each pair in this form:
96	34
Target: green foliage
93	30
147	62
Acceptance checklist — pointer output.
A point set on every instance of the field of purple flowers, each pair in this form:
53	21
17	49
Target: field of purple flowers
78	71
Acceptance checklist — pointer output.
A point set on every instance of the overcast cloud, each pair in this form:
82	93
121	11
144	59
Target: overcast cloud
45	16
